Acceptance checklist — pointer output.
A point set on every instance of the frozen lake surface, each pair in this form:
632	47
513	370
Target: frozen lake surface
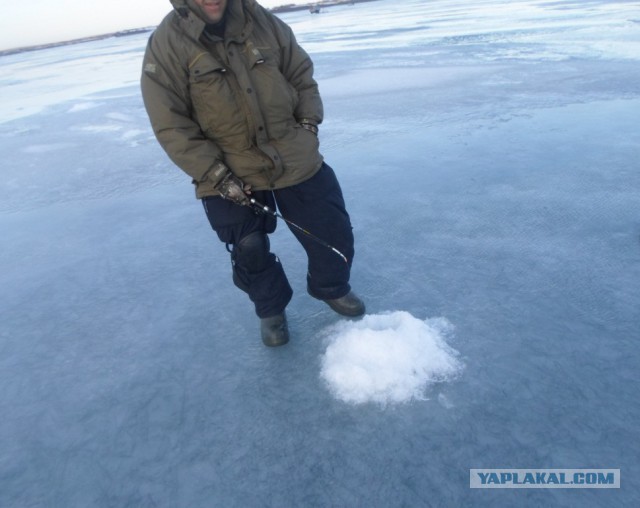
489	158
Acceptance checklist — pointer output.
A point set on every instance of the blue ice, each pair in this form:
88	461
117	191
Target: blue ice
488	154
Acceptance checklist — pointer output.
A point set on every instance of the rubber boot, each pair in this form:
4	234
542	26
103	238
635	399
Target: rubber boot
348	305
274	330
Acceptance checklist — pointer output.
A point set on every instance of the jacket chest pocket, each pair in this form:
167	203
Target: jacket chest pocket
214	101
277	95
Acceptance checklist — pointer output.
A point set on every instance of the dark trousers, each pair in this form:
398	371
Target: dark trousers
316	205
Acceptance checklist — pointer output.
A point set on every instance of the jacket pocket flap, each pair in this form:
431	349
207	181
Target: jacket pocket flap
204	65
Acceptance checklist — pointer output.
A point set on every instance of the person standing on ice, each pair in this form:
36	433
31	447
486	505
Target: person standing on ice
232	100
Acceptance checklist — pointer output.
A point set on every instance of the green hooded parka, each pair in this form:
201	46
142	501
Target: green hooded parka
238	99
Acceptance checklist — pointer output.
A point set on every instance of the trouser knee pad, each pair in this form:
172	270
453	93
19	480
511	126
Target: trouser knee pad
258	273
250	257
251	253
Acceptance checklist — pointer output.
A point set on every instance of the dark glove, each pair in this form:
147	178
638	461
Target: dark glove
231	187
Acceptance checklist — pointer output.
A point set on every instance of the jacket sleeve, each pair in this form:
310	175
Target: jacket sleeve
297	67
165	92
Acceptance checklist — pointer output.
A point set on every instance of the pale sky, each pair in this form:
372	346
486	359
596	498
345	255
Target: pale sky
27	23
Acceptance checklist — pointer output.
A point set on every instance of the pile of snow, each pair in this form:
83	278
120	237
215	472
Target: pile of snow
388	358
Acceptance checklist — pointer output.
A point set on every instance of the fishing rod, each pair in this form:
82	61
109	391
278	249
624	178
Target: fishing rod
265	209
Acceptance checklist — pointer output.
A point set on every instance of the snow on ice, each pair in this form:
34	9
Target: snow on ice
388	358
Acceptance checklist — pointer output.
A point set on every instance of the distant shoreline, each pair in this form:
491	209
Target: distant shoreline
123	33
319	5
